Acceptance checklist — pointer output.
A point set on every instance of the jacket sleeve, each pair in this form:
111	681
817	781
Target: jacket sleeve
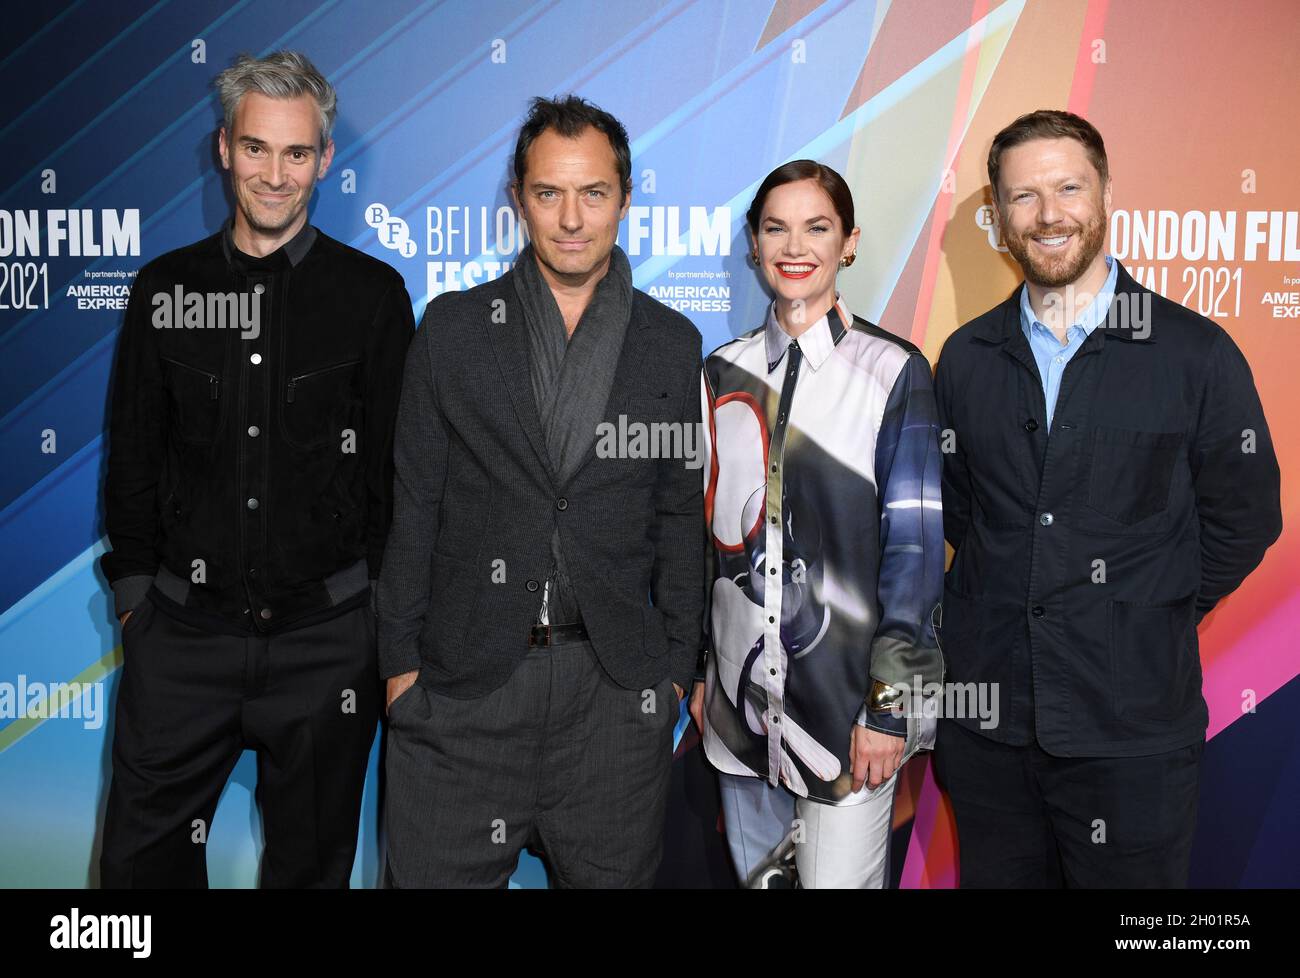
910	582
136	445
956	476
386	346
710	555
677	577
420	450
1236	476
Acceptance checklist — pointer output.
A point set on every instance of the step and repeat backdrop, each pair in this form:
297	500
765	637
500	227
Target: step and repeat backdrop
108	159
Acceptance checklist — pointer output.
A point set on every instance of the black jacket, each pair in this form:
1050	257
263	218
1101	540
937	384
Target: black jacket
250	477
475	506
1085	561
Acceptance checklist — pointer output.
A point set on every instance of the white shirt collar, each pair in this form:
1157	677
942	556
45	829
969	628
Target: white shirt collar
815	343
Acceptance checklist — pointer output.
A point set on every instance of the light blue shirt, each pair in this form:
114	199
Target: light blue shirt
1049	354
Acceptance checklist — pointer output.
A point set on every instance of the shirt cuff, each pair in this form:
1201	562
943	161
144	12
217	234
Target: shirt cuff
882	721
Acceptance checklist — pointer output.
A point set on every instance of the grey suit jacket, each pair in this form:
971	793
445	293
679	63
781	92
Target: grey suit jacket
474	505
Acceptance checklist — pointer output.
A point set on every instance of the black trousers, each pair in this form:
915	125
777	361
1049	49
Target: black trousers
1028	819
190	702
559	758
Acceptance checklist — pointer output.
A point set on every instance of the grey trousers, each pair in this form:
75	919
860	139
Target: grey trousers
559	758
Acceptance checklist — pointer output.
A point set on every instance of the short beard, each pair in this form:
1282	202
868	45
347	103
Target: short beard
1051	274
261	227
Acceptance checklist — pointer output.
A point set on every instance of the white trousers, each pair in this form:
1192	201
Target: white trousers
843	846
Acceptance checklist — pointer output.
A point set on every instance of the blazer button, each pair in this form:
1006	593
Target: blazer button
1037	611
561	503
1046	519
1031	425
265	613
532	585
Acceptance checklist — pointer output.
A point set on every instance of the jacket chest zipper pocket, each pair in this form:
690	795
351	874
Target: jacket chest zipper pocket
214	382
292	387
319	404
198	425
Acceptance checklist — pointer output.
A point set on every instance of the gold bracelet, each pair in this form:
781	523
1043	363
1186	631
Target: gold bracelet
883	696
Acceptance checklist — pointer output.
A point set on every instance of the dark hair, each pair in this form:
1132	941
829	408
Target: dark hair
569	117
1048	124
830	181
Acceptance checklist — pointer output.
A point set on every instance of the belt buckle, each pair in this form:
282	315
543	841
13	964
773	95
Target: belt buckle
545	638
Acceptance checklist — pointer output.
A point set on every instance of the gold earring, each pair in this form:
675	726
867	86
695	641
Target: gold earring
846	262
753	257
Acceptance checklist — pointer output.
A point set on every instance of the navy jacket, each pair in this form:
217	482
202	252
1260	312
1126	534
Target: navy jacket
1085	561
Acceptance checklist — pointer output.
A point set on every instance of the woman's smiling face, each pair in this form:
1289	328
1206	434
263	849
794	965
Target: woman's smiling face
800	242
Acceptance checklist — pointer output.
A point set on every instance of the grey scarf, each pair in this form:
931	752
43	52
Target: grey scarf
572	377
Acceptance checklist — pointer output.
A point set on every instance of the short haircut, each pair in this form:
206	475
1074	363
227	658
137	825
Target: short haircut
569	117
1048	124
830	181
281	74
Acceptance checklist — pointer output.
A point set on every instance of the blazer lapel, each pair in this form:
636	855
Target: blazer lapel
509	343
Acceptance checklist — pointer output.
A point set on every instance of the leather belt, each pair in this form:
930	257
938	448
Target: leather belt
556	634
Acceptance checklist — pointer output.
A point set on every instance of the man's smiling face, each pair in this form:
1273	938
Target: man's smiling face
1053	210
274	156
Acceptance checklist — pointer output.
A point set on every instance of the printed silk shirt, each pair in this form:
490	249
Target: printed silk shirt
822	475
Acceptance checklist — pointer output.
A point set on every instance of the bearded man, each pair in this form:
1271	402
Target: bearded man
1108	479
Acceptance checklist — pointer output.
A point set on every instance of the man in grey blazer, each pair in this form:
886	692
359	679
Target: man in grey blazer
542	591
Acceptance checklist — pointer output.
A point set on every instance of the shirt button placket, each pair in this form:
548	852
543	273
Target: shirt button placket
774	674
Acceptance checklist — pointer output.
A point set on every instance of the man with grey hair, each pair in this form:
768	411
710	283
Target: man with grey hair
248	496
